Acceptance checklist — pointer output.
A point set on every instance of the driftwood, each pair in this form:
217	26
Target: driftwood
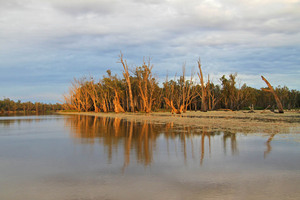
279	105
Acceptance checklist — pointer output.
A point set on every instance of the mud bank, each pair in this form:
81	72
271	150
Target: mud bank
233	121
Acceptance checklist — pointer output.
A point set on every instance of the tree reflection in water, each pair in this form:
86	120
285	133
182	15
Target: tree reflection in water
141	138
268	144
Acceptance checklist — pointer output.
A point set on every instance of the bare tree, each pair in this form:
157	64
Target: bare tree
92	89
171	105
271	90
179	95
117	105
75	97
146	84
127	78
209	95
190	93
203	94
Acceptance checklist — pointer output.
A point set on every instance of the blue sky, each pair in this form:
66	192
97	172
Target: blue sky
44	44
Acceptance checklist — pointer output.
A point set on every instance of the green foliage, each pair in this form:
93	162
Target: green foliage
8	105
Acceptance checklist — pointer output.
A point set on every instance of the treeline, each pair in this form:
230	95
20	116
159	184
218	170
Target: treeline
9	106
139	90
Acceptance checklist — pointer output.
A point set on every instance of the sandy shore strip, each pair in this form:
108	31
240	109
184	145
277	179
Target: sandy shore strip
233	121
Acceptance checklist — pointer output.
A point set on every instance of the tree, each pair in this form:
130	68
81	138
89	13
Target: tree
93	91
146	84
179	94
203	94
271	90
116	85
141	92
127	78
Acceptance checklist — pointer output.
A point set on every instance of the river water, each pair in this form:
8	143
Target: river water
56	157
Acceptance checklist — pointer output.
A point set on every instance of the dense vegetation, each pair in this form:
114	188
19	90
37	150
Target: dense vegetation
139	90
9	106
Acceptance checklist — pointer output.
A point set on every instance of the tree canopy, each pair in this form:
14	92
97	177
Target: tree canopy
139	90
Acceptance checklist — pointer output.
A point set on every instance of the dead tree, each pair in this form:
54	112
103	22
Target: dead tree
114	84
209	93
75	99
103	97
203	94
146	85
127	78
169	95
117	105
93	92
271	90
188	91
171	105
181	93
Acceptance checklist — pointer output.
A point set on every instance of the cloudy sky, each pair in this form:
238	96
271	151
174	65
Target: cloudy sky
45	43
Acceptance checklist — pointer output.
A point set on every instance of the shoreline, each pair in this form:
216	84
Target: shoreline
232	121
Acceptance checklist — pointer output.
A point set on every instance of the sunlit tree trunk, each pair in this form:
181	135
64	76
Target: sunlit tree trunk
92	90
171	105
117	106
189	92
127	78
203	89
104	105
271	90
146	85
209	94
179	94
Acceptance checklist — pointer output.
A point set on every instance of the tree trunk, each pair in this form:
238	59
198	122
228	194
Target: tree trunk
174	110
127	77
117	106
279	105
203	89
104	106
208	94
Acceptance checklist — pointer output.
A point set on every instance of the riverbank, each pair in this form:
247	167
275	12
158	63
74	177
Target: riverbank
232	121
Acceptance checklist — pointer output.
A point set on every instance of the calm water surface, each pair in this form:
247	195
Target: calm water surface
82	157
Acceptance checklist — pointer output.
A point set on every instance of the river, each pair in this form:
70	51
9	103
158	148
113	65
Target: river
57	157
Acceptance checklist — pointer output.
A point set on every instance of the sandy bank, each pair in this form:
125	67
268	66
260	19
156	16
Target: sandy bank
236	121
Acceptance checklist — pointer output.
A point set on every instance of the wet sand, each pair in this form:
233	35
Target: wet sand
233	121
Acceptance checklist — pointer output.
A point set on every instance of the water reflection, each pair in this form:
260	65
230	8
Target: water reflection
140	140
268	144
233	144
10	121
144	160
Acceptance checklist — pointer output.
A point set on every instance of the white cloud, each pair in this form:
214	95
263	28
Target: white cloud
145	21
226	34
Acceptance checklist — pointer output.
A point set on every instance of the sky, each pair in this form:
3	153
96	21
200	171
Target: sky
44	44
